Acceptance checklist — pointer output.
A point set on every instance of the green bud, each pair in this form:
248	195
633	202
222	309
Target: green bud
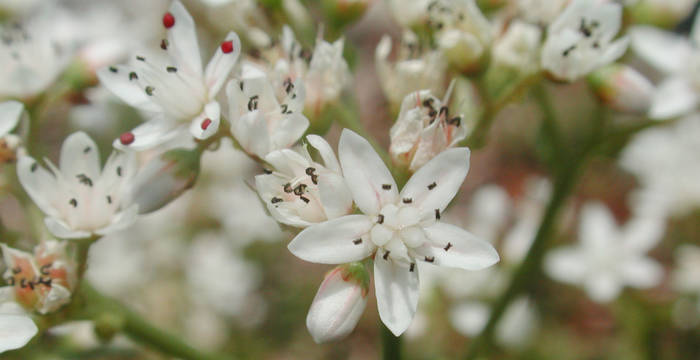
107	325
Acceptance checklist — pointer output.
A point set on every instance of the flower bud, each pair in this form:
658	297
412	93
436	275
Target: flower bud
163	179
518	47
622	88
339	303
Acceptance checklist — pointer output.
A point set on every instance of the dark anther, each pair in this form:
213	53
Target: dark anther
285	109
432	186
428	103
86	150
288	85
73	202
109	199
164	44
133	76
267	171
432	113
437	214
113	69
380	219
46	282
287	187
171	69
149	90
407	200
253	103
275	200
33	167
119	171
456	121
357	241
429	259
140	58
444	110
386	186
44	270
84	179
23	283
413	267
300	189
449	245
310	171
306	200
386	255
16	270
314	179
568	50
241	85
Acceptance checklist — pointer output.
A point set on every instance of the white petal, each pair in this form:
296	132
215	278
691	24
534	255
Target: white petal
365	173
221	64
61	230
566	265
643	234
121	220
150	134
597	228
641	272
435	184
38	183
602	287
335	195
289	130
182	38
614	51
10	113
15	329
675	96
334	241
455	247
324	149
397	293
662	49
212	111
128	90
80	155
469	318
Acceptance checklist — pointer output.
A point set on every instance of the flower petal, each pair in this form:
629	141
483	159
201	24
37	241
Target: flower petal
674	97
182	37
61	230
566	265
207	123
79	156
453	246
326	152
603	286
10	113
16	328
150	134
435	184
397	293
288	130
365	173
334	241
641	272
614	51
39	184
335	195
127	90
662	49
121	220
221	64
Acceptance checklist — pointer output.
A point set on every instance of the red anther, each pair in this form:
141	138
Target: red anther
227	46
168	20
127	138
206	123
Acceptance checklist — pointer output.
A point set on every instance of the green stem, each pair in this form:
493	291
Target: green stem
391	344
140	330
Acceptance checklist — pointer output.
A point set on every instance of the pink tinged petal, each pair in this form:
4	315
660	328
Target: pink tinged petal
149	135
368	178
79	156
335	195
566	265
674	97
127	90
397	293
182	39
207	123
641	272
121	220
16	328
435	184
61	230
336	308
265	185
452	246
221	64
336	241
326	152
664	50
10	113
602	287
39	184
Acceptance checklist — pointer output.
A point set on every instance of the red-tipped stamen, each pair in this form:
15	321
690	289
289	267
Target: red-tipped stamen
127	138
206	123
227	47
168	20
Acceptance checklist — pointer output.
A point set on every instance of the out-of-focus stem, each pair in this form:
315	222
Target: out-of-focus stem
351	120
391	345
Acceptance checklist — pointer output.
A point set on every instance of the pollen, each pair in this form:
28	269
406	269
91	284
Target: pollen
227	47
127	138
168	20
206	123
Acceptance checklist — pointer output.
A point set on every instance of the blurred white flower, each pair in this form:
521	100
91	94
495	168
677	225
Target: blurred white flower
16	327
462	32
623	88
518	47
540	12
412	70
398	228
679	58
409	13
300	191
685	277
265	118
528	214
10	115
580	40
489	209
608	257
169	82
669	174
78	198
423	129
42	281
339	303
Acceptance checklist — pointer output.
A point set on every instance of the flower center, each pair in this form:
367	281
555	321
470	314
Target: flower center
398	230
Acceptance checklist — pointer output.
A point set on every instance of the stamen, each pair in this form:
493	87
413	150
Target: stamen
449	245
380	219
314	179
432	186
275	200
253	103
206	123
87	150
140	58
300	189
287	188
437	214
126	139
168	20
44	270
429	259
413	267
386	186
113	69
310	171
73	202
164	44
109	199
267	171
227	47
171	69
33	167
84	179
386	255
306	200
133	76
357	241
456	121
407	200
149	90
119	171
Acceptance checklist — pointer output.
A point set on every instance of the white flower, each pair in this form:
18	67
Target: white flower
488	210
42	281
668	175
261	121
412	70
170	83
518	47
608	257
79	199
301	191
623	88
677	56
31	58
462	32
339	303
530	208
409	12
398	228
685	277
10	116
16	328
580	40
540	12
423	129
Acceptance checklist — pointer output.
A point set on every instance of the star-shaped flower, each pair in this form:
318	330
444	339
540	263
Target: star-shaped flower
399	228
79	199
170	83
